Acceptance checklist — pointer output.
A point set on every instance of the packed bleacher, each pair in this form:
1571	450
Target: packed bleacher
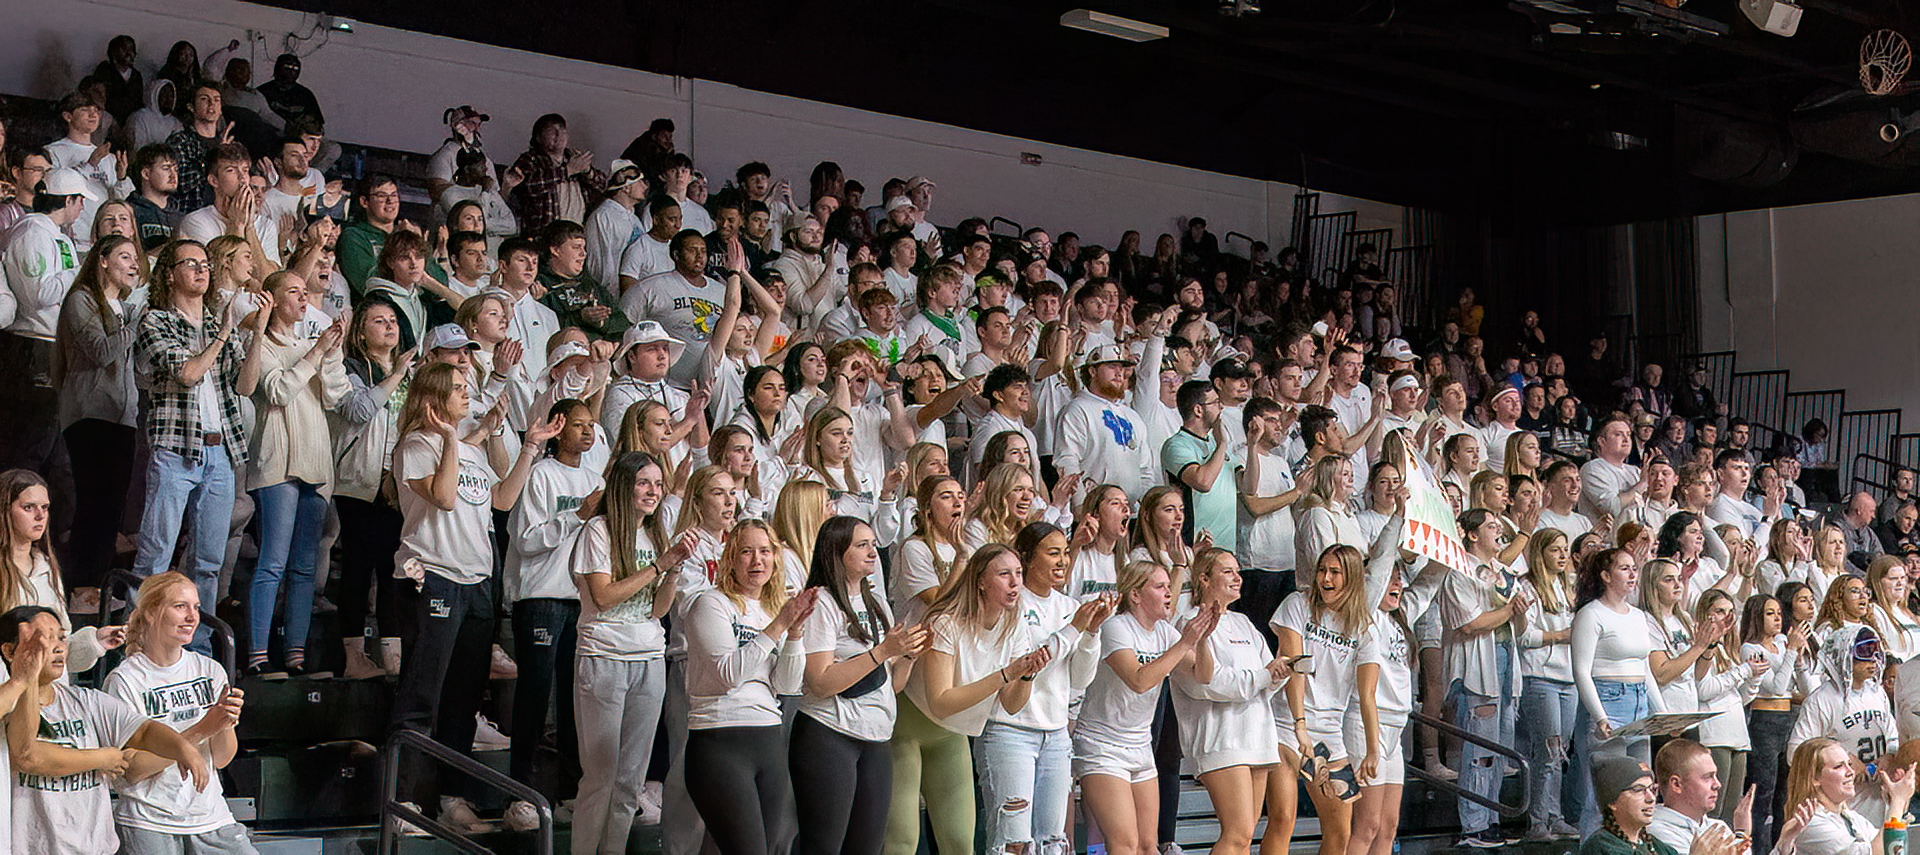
818	519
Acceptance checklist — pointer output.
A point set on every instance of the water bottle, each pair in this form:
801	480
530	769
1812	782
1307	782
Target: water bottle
1893	837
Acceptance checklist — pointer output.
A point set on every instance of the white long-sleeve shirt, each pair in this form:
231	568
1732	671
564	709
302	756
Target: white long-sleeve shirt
39	262
1319	528
1537	657
1049	621
1615	646
735	671
1601	484
1101	440
1228	720
544	524
1727	693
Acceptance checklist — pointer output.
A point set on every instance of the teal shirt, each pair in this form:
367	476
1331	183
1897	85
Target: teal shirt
1207	510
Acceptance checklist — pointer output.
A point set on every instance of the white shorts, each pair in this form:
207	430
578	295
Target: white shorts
1130	763
1323	728
1393	760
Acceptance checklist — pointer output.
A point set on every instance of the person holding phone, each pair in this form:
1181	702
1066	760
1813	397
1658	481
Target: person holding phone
1770	713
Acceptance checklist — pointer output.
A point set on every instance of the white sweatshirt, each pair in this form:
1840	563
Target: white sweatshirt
544	524
1320	528
1538	658
734	670
1228	720
1609	645
1727	693
1102	440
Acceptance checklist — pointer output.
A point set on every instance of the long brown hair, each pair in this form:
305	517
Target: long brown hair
160	282
623	519
147	603
960	596
427	392
13	580
91	280
810	448
1352	608
925	532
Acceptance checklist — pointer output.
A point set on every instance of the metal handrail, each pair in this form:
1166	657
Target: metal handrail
1495	805
1854	476
1016	226
391	809
1231	235
121	581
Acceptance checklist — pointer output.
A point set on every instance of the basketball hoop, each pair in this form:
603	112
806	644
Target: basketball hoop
1884	58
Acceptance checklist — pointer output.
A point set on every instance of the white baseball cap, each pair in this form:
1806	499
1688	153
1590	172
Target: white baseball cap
67	182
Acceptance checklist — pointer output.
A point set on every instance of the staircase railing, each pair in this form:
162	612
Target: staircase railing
393	811
1492	804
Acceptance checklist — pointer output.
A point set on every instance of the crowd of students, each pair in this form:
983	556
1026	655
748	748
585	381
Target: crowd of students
873	517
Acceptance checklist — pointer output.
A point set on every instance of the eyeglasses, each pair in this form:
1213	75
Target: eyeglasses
193	264
1641	789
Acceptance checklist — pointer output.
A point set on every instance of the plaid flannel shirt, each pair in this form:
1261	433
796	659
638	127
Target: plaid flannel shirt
165	342
537	199
190	152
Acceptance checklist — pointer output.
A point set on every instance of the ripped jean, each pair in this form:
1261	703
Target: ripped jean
1481	771
1547	709
1033	767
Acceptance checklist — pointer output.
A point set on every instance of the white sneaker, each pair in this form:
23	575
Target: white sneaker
408	829
486	737
458	813
1439	770
650	799
522	816
501	667
1171	848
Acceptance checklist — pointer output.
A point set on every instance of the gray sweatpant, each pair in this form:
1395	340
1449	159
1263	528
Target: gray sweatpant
617	707
226	840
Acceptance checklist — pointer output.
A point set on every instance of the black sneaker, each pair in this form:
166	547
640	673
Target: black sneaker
1485	838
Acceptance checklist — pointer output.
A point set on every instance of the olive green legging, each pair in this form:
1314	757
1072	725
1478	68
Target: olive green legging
933	761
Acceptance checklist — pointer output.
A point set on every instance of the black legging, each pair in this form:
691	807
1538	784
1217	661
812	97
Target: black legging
740	786
369	536
1166	760
102	456
842	788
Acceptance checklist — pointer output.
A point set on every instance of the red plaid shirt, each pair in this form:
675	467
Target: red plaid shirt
537	199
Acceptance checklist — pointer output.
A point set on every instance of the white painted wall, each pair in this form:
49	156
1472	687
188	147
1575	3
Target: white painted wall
387	87
1825	291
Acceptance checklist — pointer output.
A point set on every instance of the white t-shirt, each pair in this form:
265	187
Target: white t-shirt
685	309
1112	712
611	228
645	257
1094	573
206	224
70	815
1572	525
627	631
1829	833
976	655
868	717
1334	652
458	544
1385	645
177	696
1267	542
916	572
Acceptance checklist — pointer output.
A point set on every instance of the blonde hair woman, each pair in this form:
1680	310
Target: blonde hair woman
189	693
797	516
743	652
1821	788
1226	712
1112	746
1008	501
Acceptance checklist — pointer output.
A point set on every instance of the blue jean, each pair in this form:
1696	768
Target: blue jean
1547	713
1624	703
1490	717
291	514
200	497
1016	764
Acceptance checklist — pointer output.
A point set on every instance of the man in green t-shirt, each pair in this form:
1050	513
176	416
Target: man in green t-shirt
1197	459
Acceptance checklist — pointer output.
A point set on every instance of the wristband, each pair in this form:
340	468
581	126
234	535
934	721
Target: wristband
530	448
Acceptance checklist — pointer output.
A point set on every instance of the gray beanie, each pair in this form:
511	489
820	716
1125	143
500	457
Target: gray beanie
1614	770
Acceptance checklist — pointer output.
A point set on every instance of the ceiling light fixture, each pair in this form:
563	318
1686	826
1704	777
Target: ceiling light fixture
1112	25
